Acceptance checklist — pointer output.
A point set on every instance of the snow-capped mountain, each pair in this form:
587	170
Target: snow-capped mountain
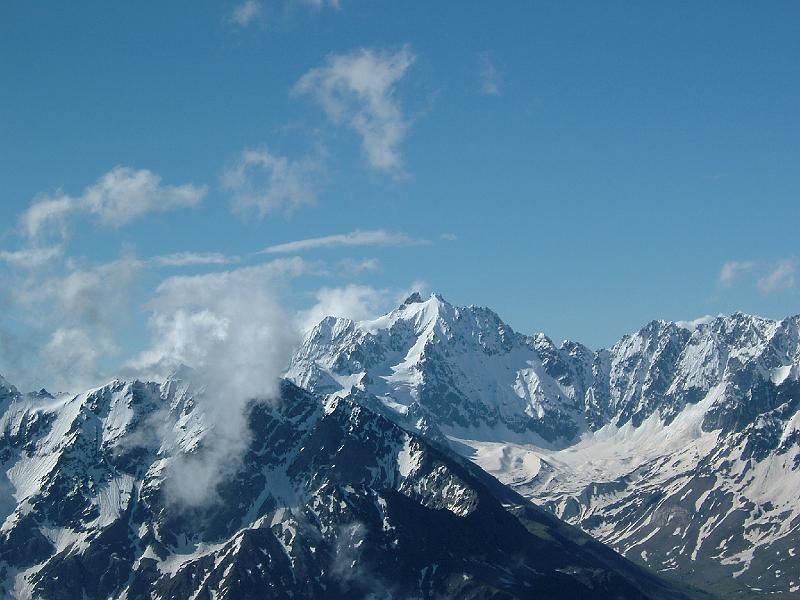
329	500
679	446
462	369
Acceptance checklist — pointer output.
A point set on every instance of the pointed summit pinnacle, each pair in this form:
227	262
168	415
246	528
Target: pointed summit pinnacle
414	298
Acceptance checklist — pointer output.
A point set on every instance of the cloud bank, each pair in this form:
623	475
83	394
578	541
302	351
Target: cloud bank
74	318
232	330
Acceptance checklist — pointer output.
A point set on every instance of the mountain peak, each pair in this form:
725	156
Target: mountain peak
417	298
414	298
7	390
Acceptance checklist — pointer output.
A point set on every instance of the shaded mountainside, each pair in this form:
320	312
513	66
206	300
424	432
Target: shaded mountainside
330	500
679	446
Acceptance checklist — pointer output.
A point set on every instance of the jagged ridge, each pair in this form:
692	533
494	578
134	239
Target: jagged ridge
330	500
698	420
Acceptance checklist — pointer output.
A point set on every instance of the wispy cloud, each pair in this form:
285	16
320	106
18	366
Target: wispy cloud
358	90
245	13
377	237
118	197
265	182
248	12
75	318
190	259
356	302
490	80
47	212
733	269
320	4
348	266
30	258
782	276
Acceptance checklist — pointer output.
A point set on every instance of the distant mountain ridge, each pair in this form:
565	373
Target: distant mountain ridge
693	421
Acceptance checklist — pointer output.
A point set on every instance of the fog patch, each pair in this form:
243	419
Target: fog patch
62	326
233	332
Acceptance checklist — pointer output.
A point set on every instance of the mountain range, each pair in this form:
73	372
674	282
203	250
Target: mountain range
433	452
328	499
679	446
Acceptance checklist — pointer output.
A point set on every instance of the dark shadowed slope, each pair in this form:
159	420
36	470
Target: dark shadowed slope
330	500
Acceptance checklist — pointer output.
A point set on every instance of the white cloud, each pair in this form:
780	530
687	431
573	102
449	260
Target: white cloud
245	13
376	237
232	330
267	183
93	296
30	258
118	197
47	212
190	259
73	354
782	276
357	302
695	323
449	237
89	299
490	80
732	269
359	90
74	319
205	289
123	194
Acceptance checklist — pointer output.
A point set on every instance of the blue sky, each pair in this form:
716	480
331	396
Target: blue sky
580	167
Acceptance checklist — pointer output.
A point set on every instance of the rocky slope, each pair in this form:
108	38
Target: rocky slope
679	446
329	500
